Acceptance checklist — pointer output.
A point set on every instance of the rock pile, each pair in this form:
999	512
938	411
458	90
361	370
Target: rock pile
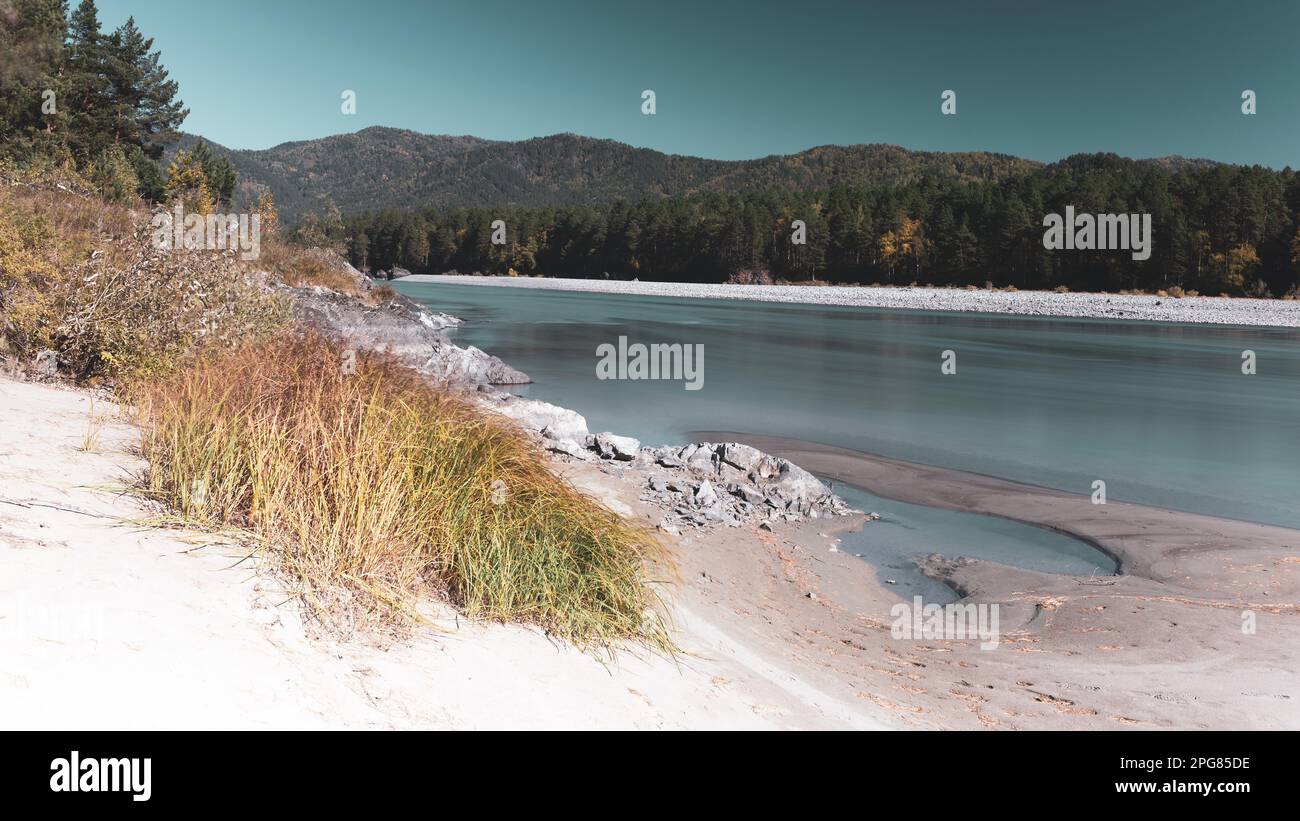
698	485
730	483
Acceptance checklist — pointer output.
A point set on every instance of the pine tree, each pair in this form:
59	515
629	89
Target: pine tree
31	49
218	171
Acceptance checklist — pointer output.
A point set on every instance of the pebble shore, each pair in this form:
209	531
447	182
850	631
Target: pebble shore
1200	309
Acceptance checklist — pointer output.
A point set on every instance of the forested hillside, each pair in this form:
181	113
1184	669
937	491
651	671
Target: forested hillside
390	168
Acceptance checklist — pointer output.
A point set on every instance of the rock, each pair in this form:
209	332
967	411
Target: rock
799	485
765	525
729	474
397	272
405	330
741	457
46	363
766	468
705	495
667	456
714	513
612	446
439	321
749	494
471	365
569	448
658	484
553	422
701	459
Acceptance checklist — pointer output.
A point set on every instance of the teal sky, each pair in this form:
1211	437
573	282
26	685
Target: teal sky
745	79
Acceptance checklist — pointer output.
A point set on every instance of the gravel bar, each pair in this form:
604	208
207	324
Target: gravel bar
1201	309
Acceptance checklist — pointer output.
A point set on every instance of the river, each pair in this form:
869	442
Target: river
1159	412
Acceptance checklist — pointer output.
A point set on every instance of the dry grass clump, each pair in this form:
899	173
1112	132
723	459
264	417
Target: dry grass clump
359	477
300	267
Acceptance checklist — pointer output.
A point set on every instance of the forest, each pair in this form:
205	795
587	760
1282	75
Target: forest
1217	229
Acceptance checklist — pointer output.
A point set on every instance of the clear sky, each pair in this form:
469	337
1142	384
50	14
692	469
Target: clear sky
744	79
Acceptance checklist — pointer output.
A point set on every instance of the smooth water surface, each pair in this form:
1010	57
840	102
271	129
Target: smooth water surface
1161	412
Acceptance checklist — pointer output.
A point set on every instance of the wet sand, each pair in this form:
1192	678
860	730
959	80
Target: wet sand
1200	629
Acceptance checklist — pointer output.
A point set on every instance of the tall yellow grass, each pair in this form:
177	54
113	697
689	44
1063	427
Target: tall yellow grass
368	480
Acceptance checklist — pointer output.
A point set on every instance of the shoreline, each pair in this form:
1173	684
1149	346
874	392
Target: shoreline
1162	644
1157	544
1207	310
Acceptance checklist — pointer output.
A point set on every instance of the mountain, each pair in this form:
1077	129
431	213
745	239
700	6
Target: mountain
378	168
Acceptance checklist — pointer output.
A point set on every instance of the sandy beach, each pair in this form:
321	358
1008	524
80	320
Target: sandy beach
108	624
1201	309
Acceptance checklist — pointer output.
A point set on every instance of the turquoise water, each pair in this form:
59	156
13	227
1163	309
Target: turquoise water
906	530
1161	412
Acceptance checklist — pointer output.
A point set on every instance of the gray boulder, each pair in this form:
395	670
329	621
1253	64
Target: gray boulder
701	458
612	446
569	448
741	457
551	421
798	485
472	366
46	363
705	495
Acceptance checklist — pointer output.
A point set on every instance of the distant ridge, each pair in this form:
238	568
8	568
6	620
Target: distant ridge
378	168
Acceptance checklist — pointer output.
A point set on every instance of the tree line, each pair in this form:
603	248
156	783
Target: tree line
1217	229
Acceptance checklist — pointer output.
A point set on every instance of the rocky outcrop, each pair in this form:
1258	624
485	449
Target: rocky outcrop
405	330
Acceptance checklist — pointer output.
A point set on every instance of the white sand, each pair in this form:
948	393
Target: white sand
108	625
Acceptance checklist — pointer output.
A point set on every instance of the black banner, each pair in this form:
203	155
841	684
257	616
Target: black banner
138	772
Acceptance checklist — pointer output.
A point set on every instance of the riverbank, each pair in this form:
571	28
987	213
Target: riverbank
1200	309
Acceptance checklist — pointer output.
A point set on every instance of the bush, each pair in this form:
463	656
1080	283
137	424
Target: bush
141	308
750	277
362	479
